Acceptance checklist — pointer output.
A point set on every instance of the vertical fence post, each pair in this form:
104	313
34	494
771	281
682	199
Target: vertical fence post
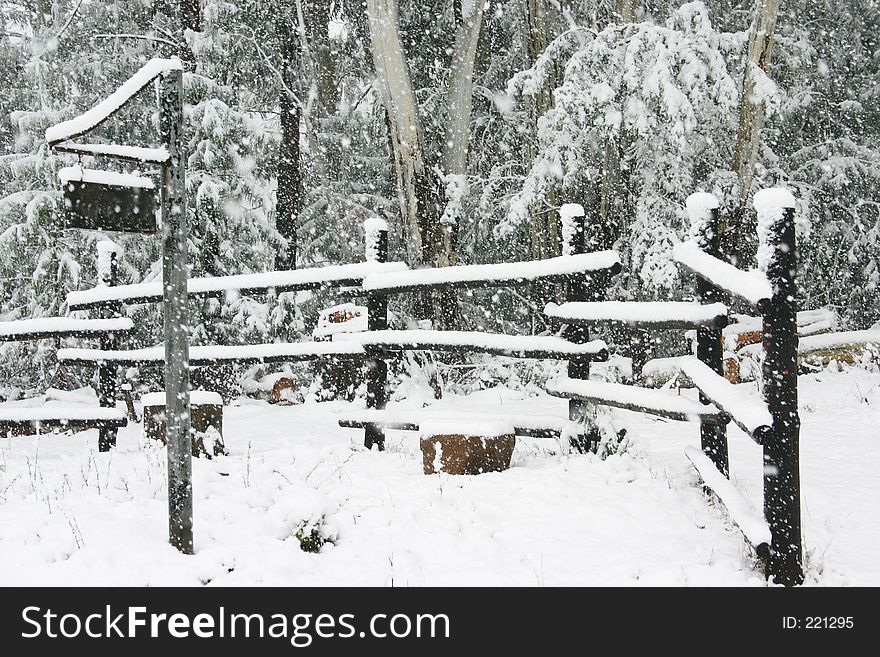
782	500
574	242
108	268
377	320
176	313
703	212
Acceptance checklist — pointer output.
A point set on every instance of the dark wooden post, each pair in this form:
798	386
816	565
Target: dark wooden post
108	268
579	288
176	314
377	320
703	211
782	499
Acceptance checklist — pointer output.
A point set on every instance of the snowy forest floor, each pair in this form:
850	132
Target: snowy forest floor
71	515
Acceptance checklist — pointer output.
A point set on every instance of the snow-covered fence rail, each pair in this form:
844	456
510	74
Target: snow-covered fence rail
108	329
294	280
43	328
576	267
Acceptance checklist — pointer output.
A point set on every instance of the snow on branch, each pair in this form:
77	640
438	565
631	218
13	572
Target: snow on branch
106	108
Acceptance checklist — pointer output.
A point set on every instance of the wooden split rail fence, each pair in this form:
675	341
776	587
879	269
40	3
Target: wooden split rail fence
772	422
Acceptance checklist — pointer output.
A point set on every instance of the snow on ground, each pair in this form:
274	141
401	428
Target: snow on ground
70	515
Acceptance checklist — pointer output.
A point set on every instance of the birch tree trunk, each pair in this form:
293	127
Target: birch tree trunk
430	233
751	118
418	187
458	124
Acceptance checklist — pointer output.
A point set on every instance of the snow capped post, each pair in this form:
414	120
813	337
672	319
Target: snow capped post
702	210
571	216
778	260
377	320
107	262
108	266
376	239
578	289
176	313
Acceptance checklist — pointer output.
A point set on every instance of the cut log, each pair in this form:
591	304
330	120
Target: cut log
466	448
206	418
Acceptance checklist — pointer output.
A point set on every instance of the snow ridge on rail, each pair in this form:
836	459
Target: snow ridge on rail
537	426
642	400
60	414
286	280
102	111
525	346
62	327
210	354
670	314
753	526
505	273
750	415
752	285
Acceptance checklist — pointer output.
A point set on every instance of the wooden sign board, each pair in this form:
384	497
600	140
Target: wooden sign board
97	206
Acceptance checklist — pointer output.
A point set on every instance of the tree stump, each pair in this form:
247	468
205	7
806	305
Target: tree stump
466	447
207	421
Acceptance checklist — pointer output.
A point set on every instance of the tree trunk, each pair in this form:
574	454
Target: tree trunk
458	123
288	174
751	118
544	237
316	20
191	15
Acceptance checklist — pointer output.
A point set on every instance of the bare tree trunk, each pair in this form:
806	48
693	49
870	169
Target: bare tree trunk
191	15
288	174
419	190
612	193
430	236
544	238
751	117
458	123
316	20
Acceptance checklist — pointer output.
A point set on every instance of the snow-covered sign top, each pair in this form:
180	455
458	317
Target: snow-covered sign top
120	151
97	176
106	108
